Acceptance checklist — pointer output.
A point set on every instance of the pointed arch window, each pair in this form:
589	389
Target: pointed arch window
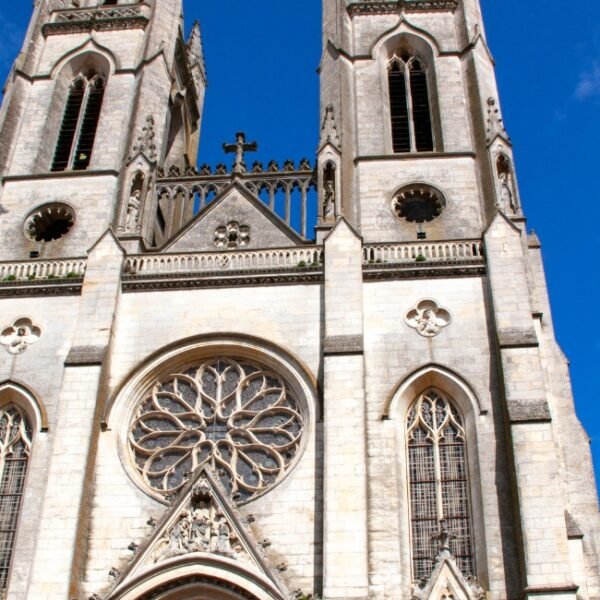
15	447
438	483
79	124
410	106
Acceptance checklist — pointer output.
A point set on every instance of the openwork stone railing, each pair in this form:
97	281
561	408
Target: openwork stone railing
214	262
101	18
424	252
284	190
395	6
36	270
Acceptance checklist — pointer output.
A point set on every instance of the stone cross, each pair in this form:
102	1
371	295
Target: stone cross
240	147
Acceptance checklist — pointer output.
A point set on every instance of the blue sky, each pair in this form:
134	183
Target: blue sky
262	59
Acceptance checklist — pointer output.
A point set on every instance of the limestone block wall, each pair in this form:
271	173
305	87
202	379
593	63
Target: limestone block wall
87	195
461	352
455	178
289	515
40	371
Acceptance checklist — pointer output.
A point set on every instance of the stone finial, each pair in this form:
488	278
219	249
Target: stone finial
195	50
329	131
495	123
145	141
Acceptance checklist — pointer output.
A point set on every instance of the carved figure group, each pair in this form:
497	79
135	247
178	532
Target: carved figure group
197	530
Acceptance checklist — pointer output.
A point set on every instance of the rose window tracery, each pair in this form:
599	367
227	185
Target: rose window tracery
238	417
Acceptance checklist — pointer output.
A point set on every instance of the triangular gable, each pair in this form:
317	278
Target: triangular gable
200	524
235	206
448	583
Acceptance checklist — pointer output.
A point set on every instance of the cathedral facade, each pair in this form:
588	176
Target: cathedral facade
332	378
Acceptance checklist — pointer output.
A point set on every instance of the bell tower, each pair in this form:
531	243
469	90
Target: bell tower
414	156
423	151
101	94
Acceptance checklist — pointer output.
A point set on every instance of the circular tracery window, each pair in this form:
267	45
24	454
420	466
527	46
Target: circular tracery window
49	222
418	204
238	417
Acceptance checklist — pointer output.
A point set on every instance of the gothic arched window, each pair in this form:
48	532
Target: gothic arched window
15	446
410	108
79	123
438	483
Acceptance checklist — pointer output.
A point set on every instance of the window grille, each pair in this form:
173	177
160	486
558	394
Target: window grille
15	446
79	124
410	108
438	482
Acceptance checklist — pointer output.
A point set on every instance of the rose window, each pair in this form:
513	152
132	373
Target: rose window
237	417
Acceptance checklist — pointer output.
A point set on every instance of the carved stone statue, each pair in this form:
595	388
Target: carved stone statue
223	545
329	200
133	210
507	198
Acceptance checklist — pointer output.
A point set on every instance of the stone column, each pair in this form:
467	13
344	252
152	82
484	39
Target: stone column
345	548
60	555
540	498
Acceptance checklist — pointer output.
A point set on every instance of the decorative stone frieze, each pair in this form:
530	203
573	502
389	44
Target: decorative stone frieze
81	20
377	7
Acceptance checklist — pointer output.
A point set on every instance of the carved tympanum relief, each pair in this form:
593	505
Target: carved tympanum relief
232	236
202	527
19	336
428	318
235	416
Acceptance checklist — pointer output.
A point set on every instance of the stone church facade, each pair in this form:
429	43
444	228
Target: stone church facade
200	399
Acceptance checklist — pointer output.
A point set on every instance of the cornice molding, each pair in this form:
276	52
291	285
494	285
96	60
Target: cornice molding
233	279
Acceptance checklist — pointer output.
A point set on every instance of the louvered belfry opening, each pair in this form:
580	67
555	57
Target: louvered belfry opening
399	109
421	109
79	124
410	108
438	480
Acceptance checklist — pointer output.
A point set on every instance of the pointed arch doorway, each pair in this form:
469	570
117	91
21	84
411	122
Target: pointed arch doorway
198	588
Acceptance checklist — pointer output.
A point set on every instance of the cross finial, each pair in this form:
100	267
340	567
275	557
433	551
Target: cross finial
240	147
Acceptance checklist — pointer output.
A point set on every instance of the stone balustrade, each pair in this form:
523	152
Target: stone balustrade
39	270
425	252
215	262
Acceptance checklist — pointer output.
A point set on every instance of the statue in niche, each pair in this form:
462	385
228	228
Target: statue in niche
134	203
507	199
133	210
329	192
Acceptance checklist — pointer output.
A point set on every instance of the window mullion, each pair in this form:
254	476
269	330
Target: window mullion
79	126
438	478
409	104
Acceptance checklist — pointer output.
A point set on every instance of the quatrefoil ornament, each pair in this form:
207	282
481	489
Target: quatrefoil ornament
232	236
428	318
19	336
